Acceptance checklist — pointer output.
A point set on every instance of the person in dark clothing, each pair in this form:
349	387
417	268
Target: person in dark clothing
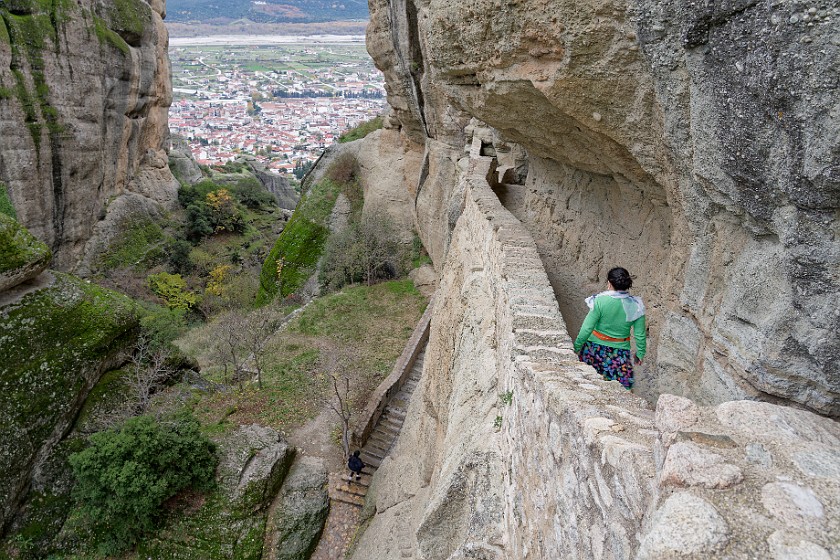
355	464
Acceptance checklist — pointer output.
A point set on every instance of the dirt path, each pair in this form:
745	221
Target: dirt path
314	439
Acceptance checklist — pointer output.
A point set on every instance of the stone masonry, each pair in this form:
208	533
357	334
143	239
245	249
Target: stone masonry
528	454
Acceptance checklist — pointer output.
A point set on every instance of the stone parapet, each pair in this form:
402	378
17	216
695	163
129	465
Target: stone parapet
591	471
394	382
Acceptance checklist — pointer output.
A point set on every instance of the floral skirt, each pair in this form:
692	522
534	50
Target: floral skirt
614	364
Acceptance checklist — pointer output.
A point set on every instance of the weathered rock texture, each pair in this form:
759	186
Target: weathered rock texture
22	257
84	97
58	335
512	449
695	145
300	511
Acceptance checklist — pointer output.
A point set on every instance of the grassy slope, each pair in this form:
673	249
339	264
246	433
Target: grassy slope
375	321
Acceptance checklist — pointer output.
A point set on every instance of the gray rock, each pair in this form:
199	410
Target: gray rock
684	525
181	162
792	505
675	413
302	511
758	455
254	462
22	257
784	546
687	464
278	185
87	119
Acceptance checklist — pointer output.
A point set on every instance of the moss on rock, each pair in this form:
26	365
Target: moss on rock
6	206
56	343
21	255
293	258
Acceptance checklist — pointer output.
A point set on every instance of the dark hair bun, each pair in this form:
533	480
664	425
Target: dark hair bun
620	278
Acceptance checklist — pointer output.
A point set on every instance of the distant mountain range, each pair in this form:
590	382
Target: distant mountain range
265	11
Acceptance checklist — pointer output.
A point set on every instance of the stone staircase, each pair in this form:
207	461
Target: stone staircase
379	443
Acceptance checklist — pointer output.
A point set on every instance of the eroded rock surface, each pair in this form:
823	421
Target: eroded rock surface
690	144
85	91
512	449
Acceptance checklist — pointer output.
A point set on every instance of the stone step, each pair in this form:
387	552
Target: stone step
375	453
353	489
371	461
379	441
351	499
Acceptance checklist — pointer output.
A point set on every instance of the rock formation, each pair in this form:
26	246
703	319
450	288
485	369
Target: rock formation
512	449
542	143
691	145
84	97
58	335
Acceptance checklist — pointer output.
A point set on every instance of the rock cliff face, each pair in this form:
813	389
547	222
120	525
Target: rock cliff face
58	335
84	97
512	449
544	142
692	145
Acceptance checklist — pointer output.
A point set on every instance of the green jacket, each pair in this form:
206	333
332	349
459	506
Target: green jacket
607	317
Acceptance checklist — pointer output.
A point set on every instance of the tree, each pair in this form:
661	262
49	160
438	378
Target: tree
337	363
126	474
366	251
148	370
229	349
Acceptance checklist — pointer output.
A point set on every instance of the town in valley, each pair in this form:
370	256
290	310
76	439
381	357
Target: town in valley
282	103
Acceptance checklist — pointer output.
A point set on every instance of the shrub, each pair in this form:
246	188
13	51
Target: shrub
366	251
138	245
6	206
250	192
173	290
179	256
127	473
362	130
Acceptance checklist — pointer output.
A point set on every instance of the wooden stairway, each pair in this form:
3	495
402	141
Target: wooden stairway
379	443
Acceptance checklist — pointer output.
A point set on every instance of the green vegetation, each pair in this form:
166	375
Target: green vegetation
140	244
172	288
213	207
6	206
18	248
126	474
129	16
362	130
293	258
26	26
107	36
363	328
55	342
215	532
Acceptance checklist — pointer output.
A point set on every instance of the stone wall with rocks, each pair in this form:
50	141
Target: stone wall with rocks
85	91
513	449
690	144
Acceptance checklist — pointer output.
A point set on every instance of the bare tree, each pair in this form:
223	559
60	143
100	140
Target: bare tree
149	369
255	336
341	407
337	362
230	349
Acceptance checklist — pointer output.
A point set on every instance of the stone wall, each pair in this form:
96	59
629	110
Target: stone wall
688	144
513	449
85	91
